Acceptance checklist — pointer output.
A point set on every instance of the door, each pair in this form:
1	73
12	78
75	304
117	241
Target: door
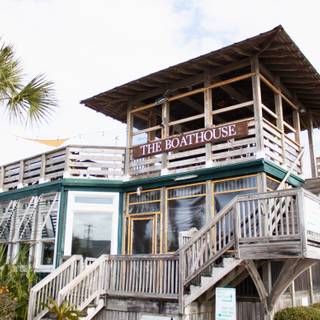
142	236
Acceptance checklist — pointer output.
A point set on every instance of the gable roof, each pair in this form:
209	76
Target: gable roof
276	50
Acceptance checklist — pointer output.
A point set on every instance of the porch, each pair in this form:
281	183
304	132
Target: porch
285	220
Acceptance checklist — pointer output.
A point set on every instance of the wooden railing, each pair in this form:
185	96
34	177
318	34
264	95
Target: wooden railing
230	151
318	166
51	285
127	276
279	148
273	218
71	161
278	217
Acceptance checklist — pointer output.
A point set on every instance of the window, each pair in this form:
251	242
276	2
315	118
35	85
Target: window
92	224
224	191
185	210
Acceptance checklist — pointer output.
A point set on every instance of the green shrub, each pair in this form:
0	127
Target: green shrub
316	305
298	313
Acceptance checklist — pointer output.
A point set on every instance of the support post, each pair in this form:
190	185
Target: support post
313	163
257	101
165	134
208	121
129	143
310	285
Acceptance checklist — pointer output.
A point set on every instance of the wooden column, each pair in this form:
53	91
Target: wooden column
313	163
21	174
256	89
279	112
1	178
310	285
208	120
293	294
129	142
165	134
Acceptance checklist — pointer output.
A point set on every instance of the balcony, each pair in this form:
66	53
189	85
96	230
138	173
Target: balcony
90	162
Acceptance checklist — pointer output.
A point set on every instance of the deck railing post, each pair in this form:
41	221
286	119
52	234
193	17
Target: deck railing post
1	178
66	173
236	227
257	100
43	168
182	272
302	221
21	174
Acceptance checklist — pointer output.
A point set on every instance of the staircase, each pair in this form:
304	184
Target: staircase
262	226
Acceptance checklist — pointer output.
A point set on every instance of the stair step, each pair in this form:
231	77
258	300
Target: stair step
207	282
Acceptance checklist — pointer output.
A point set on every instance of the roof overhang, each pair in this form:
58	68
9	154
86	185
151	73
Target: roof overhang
275	49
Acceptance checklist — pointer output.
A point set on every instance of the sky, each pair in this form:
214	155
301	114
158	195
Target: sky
86	47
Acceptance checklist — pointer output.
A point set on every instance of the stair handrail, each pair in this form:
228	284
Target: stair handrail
92	278
48	287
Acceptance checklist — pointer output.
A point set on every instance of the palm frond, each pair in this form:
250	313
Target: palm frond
34	102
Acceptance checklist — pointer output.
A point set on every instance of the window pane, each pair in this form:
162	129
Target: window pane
47	253
184	214
144	207
91	233
142	236
235	184
93	200
221	200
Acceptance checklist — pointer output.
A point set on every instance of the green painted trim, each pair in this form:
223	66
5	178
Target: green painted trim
213	173
61	225
279	172
33	190
120	222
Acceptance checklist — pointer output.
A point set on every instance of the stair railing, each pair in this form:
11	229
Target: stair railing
208	244
50	286
88	286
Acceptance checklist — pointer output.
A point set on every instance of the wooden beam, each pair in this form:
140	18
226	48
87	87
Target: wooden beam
291	269
193	80
313	163
256	89
255	276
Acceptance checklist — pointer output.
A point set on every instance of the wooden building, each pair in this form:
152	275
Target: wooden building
208	192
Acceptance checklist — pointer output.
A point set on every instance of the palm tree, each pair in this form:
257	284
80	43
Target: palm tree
30	102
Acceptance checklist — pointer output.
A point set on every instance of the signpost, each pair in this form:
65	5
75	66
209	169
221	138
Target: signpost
226	304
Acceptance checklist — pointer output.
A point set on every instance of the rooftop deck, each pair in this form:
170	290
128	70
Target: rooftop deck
71	161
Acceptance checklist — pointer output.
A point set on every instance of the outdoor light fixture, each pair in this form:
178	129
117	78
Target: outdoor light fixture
191	176
139	190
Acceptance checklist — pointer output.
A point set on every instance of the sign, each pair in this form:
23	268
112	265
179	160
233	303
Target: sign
226	304
312	211
192	139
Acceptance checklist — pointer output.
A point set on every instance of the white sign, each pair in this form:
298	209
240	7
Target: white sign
156	317
226	304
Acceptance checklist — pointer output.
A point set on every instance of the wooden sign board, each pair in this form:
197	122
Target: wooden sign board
192	139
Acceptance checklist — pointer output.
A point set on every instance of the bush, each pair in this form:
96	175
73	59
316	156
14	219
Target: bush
7	304
298	313
316	305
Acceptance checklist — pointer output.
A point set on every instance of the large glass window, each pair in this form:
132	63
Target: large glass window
186	210
225	190
92	224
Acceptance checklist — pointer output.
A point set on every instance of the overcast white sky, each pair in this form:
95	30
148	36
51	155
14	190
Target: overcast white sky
86	47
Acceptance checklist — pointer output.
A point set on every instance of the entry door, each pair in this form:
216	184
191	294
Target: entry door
142	238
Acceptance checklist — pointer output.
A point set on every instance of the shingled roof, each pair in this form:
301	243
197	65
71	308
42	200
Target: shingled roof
276	50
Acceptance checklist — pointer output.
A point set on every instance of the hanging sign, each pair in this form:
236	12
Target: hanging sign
192	139
226	304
